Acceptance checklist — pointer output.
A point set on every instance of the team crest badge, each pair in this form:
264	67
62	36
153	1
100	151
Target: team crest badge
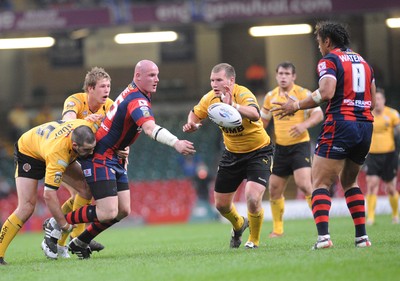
58	177
87	172
26	167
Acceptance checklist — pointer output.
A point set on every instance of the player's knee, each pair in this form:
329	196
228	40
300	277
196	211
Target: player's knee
124	212
25	211
107	215
222	208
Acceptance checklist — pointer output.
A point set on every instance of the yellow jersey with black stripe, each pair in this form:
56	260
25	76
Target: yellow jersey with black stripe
282	126
245	138
383	133
78	103
51	143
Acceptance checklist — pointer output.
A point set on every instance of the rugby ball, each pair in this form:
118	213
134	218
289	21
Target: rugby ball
224	115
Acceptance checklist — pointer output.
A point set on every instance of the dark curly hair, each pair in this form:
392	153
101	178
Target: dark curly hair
335	31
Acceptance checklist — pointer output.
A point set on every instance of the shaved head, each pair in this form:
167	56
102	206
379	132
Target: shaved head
146	76
144	65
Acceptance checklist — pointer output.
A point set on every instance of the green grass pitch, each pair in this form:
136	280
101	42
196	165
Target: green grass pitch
200	251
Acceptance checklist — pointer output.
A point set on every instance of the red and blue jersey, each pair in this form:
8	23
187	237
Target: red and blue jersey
352	99
122	124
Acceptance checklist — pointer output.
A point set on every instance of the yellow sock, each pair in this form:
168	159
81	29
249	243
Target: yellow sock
255	225
63	240
234	217
9	230
78	203
67	206
308	199
371	205
277	210
394	203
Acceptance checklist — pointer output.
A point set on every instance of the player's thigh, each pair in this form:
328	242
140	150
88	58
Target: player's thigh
325	171
302	179
124	203
254	192
75	181
27	197
107	208
373	183
348	177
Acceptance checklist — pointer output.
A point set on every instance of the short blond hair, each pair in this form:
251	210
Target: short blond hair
94	75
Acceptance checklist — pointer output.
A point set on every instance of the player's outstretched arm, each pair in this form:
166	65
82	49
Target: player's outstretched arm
164	136
193	123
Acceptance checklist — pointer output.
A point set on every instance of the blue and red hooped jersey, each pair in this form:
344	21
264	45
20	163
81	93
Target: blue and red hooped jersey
122	124
352	100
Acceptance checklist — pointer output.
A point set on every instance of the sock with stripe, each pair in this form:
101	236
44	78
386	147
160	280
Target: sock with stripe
67	206
79	202
321	205
255	225
234	217
82	215
9	230
95	229
356	203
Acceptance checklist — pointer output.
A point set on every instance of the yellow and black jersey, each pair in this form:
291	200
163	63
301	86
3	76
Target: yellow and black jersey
282	126
245	138
51	143
383	133
78	103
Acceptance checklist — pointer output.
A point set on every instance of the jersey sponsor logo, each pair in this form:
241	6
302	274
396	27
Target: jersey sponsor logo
235	130
105	128
3	233
357	103
58	177
64	130
87	172
26	167
143	103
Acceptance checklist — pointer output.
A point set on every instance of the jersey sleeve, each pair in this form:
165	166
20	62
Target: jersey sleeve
140	111
200	110
72	104
56	164
326	67
395	117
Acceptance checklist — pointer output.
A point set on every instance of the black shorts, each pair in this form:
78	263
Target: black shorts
383	165
107	188
290	158
28	167
235	167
